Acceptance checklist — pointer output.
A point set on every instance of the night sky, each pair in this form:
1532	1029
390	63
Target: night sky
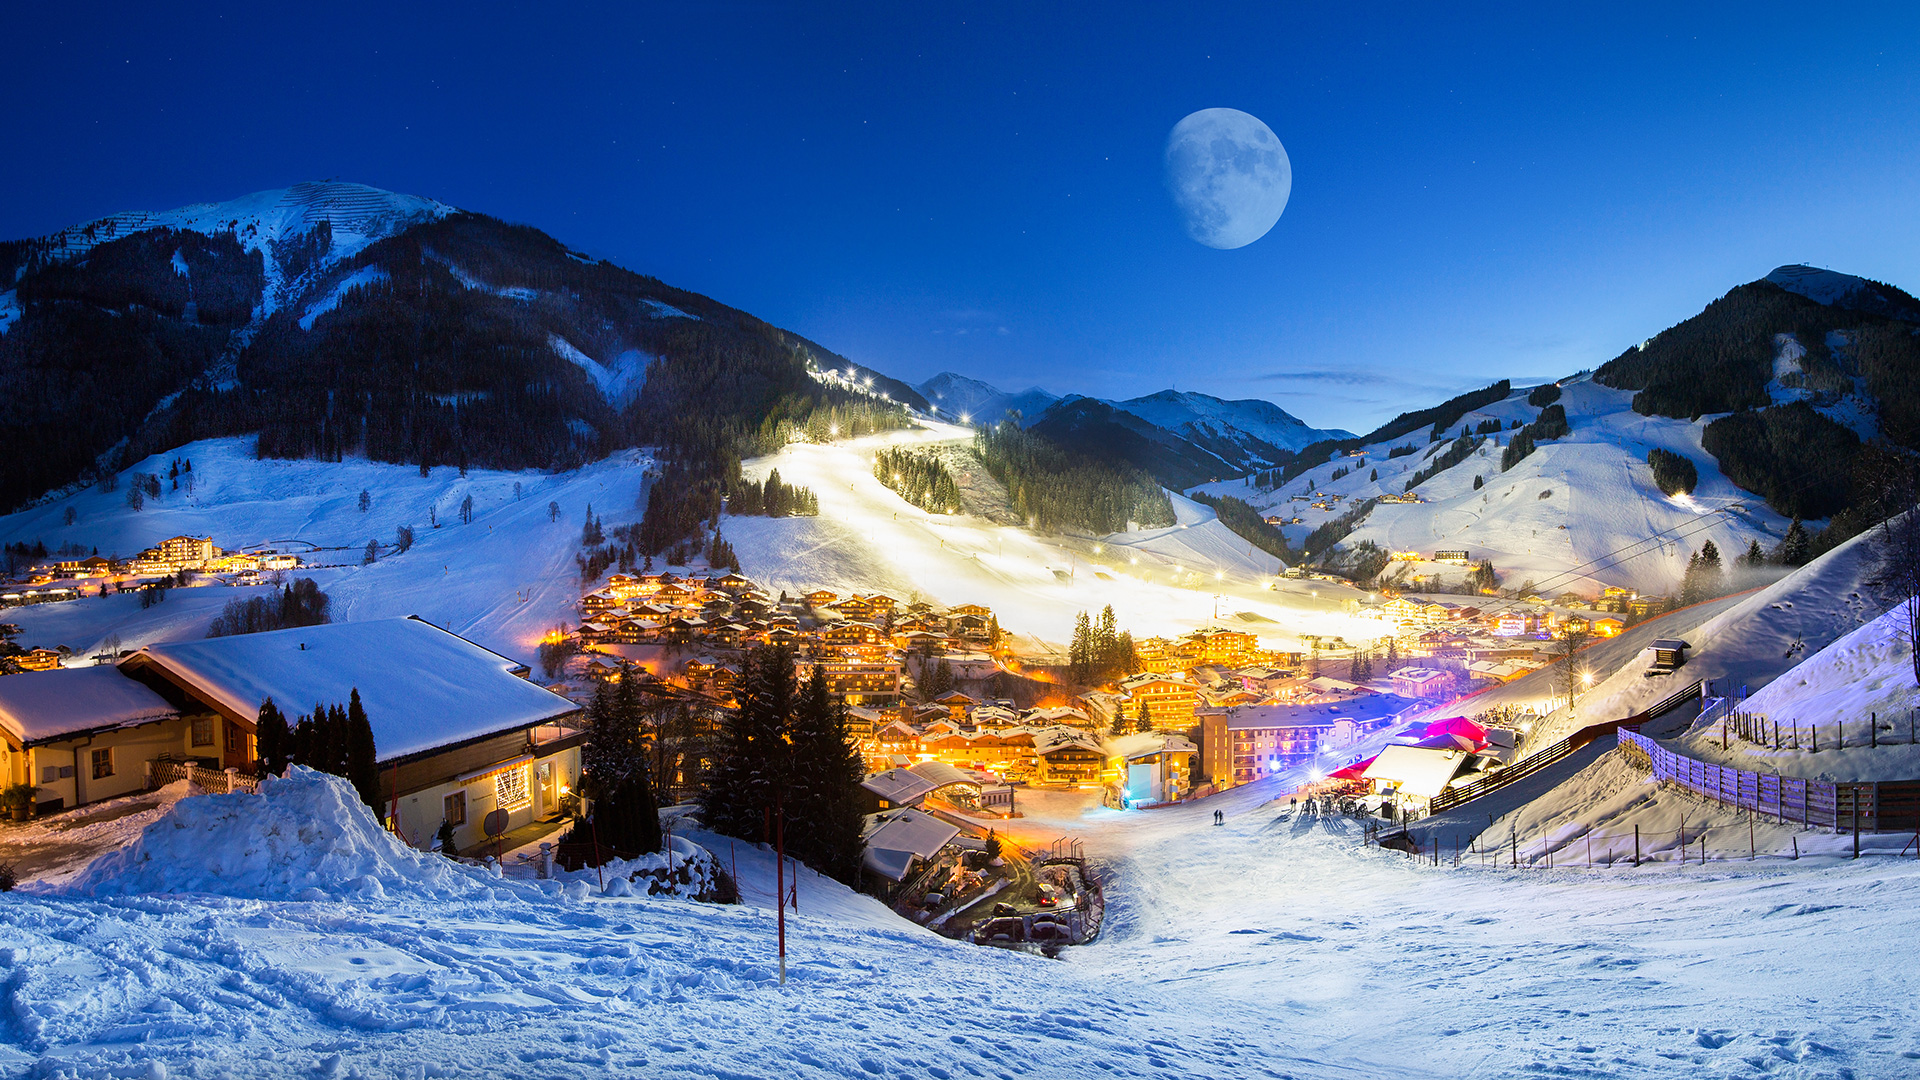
1509	193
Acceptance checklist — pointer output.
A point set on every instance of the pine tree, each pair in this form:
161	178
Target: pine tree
1119	724
822	805
1080	650
274	739
747	776
1146	717
1797	548
363	767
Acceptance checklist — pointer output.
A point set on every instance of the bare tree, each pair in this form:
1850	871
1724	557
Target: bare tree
1572	680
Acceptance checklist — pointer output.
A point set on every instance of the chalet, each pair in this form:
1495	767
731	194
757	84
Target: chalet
86	734
1214	645
852	633
821	598
1413	776
854	607
1418	682
1608	627
38	660
897	841
459	730
1455	557
1066	757
858	682
891	740
957	704
1170	699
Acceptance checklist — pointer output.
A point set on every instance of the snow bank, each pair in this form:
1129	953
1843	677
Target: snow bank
304	837
1865	676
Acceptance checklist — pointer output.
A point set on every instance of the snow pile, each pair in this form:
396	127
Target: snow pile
685	870
304	837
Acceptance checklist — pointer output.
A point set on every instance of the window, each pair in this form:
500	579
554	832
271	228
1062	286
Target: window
103	763
236	739
203	731
453	808
510	788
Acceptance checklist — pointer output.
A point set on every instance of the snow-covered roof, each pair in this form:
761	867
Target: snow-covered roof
422	687
1047	740
1147	743
40	706
1419	771
900	836
898	786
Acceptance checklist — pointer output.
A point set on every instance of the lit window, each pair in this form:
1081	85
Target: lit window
453	808
510	788
103	763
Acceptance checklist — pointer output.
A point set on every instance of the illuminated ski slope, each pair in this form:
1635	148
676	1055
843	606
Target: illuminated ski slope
1159	581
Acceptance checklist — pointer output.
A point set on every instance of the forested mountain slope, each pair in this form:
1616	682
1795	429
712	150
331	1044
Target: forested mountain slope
337	318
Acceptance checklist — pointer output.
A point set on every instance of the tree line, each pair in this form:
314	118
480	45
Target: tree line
786	768
331	739
920	478
303	603
1053	488
1100	650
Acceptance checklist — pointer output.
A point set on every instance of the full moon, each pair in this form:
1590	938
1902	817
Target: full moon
1229	176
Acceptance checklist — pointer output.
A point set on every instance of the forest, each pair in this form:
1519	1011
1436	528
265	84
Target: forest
918	477
1056	489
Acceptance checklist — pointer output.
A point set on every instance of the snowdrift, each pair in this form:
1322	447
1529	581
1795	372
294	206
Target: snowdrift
304	837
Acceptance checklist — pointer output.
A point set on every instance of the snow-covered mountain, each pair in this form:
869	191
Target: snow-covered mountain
1251	426
957	397
336	318
1835	289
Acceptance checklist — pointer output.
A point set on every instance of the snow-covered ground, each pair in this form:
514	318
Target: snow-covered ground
1159	581
1276	945
503	580
1567	516
1864	679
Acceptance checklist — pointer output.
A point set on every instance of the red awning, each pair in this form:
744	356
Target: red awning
1351	772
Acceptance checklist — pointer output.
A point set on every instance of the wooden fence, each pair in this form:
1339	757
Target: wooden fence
1533	763
1868	806
210	780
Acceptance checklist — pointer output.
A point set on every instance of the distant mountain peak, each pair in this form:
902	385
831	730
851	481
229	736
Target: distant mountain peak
357	215
1846	291
967	399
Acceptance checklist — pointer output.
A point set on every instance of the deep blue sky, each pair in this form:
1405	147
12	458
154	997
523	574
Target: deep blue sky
1478	194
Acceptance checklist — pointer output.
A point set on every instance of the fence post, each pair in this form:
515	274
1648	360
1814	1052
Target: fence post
1856	820
1636	845
1514	837
1750	838
1873	731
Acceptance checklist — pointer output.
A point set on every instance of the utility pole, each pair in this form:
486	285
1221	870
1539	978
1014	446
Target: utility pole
780	883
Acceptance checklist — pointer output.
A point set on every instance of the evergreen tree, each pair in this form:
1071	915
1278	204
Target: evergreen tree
822	803
1797	548
1119	724
274	739
747	774
1146	717
1080	651
363	767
